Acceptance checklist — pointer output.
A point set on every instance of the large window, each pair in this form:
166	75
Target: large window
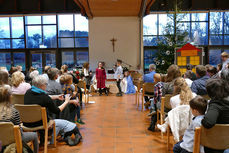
207	29
29	33
11	32
72	31
74	58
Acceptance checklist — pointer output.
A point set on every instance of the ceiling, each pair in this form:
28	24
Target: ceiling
106	8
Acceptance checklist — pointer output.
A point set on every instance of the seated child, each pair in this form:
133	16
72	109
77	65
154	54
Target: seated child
66	81
198	107
127	85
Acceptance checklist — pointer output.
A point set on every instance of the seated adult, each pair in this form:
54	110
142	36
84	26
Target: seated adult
19	86
182	93
149	78
218	108
53	87
198	86
212	72
37	95
10	114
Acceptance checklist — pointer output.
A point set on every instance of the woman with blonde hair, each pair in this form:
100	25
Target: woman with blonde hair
182	93
10	114
19	86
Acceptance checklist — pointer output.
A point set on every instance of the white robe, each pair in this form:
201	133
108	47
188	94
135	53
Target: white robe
179	120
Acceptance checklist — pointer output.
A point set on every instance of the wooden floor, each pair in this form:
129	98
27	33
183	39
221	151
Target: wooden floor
114	125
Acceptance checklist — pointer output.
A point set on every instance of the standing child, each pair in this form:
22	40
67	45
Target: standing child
101	79
66	81
198	107
118	76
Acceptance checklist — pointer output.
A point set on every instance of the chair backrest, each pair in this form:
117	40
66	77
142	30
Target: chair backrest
148	87
11	134
81	84
17	99
215	138
6	130
167	101
29	113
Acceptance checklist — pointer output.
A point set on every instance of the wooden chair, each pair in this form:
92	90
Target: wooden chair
165	103
216	138
82	86
136	81
17	99
34	113
147	88
10	134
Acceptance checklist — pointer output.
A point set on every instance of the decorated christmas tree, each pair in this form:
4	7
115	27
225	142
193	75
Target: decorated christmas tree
174	36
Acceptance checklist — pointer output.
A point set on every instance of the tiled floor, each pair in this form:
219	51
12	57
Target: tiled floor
114	125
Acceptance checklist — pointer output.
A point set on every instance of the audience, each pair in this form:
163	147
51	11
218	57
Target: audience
37	95
198	86
182	95
69	88
218	108
198	107
61	98
10	114
19	86
162	88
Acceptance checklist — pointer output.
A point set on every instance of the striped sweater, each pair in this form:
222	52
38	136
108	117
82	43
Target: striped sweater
10	114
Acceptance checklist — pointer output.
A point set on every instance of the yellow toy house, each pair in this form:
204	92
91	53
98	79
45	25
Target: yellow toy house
188	54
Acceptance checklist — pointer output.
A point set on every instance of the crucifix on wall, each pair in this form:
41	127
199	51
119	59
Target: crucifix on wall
113	40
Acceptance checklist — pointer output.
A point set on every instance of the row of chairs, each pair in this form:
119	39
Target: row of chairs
19	99
28	114
215	138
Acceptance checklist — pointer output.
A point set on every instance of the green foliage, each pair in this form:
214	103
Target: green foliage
173	37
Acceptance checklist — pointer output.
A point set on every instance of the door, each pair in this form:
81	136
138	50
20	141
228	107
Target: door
40	59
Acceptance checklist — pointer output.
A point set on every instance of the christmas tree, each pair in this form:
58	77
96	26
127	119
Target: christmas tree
174	36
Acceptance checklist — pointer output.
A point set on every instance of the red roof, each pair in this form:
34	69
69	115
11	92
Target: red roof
188	46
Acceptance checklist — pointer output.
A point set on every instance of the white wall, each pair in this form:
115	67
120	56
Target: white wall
125	29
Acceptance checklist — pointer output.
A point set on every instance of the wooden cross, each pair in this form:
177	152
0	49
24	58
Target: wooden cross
113	40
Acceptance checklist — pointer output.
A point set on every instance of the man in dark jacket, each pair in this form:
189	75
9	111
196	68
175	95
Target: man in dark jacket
199	85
